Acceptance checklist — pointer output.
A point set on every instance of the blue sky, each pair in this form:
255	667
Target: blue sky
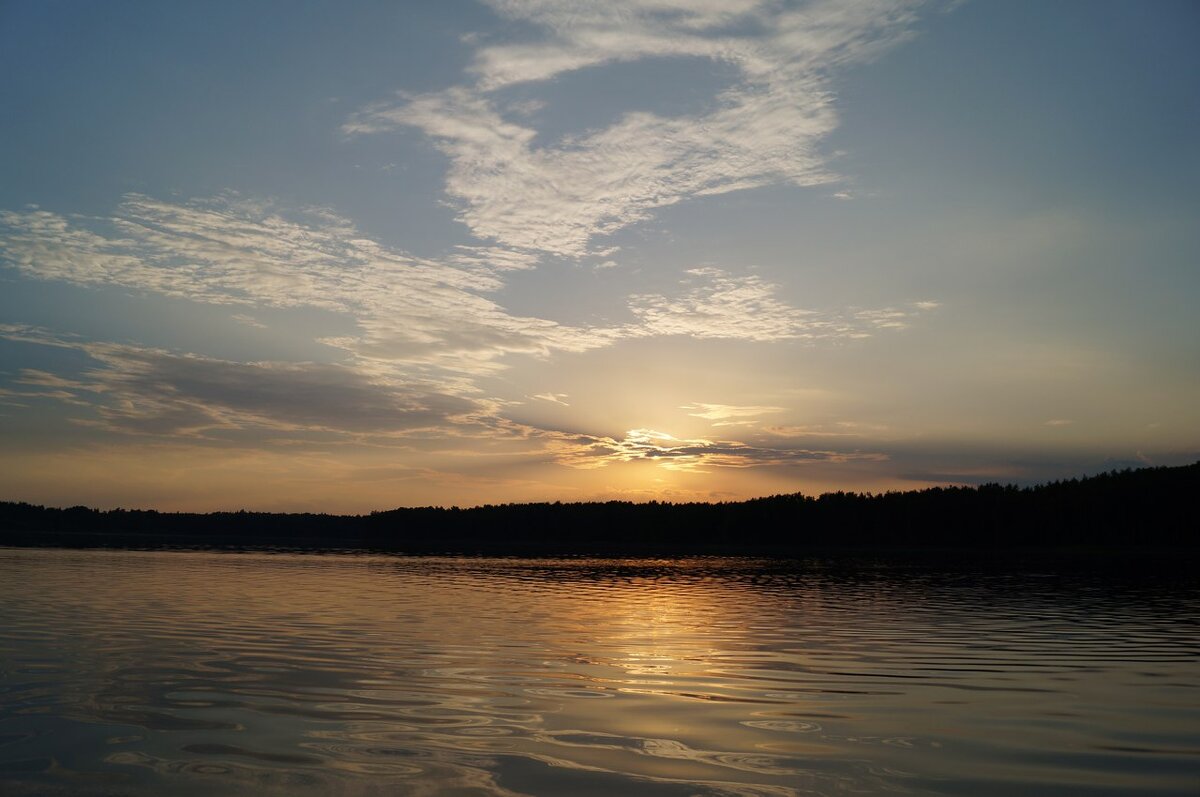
353	256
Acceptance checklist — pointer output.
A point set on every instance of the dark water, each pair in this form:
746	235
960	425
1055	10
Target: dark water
156	673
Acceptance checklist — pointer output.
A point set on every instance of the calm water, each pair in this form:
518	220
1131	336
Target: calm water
191	673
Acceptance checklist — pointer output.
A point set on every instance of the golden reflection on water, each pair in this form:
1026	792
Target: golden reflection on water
246	673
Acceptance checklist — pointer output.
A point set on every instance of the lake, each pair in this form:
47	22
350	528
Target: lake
225	673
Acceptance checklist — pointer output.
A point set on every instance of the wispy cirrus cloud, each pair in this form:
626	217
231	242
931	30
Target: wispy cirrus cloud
837	429
413	312
227	250
717	304
522	199
721	305
728	414
34	383
426	333
555	198
249	320
553	398
892	317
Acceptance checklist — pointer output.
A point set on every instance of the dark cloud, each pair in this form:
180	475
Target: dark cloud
153	391
672	452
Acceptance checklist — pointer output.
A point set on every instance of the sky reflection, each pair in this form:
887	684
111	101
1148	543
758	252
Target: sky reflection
235	673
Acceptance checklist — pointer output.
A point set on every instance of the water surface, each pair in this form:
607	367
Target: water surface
199	673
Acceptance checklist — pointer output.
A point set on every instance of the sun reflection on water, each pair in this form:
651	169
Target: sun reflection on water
220	673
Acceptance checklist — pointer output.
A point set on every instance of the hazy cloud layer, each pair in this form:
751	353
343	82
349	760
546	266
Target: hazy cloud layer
555	198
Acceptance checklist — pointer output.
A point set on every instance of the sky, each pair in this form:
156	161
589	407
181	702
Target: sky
351	256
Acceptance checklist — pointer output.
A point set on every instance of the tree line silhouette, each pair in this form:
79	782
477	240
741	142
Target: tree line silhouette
1149	507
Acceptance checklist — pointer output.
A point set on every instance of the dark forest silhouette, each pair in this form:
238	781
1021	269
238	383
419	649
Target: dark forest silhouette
1146	508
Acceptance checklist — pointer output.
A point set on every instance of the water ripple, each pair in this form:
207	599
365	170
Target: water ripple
142	673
